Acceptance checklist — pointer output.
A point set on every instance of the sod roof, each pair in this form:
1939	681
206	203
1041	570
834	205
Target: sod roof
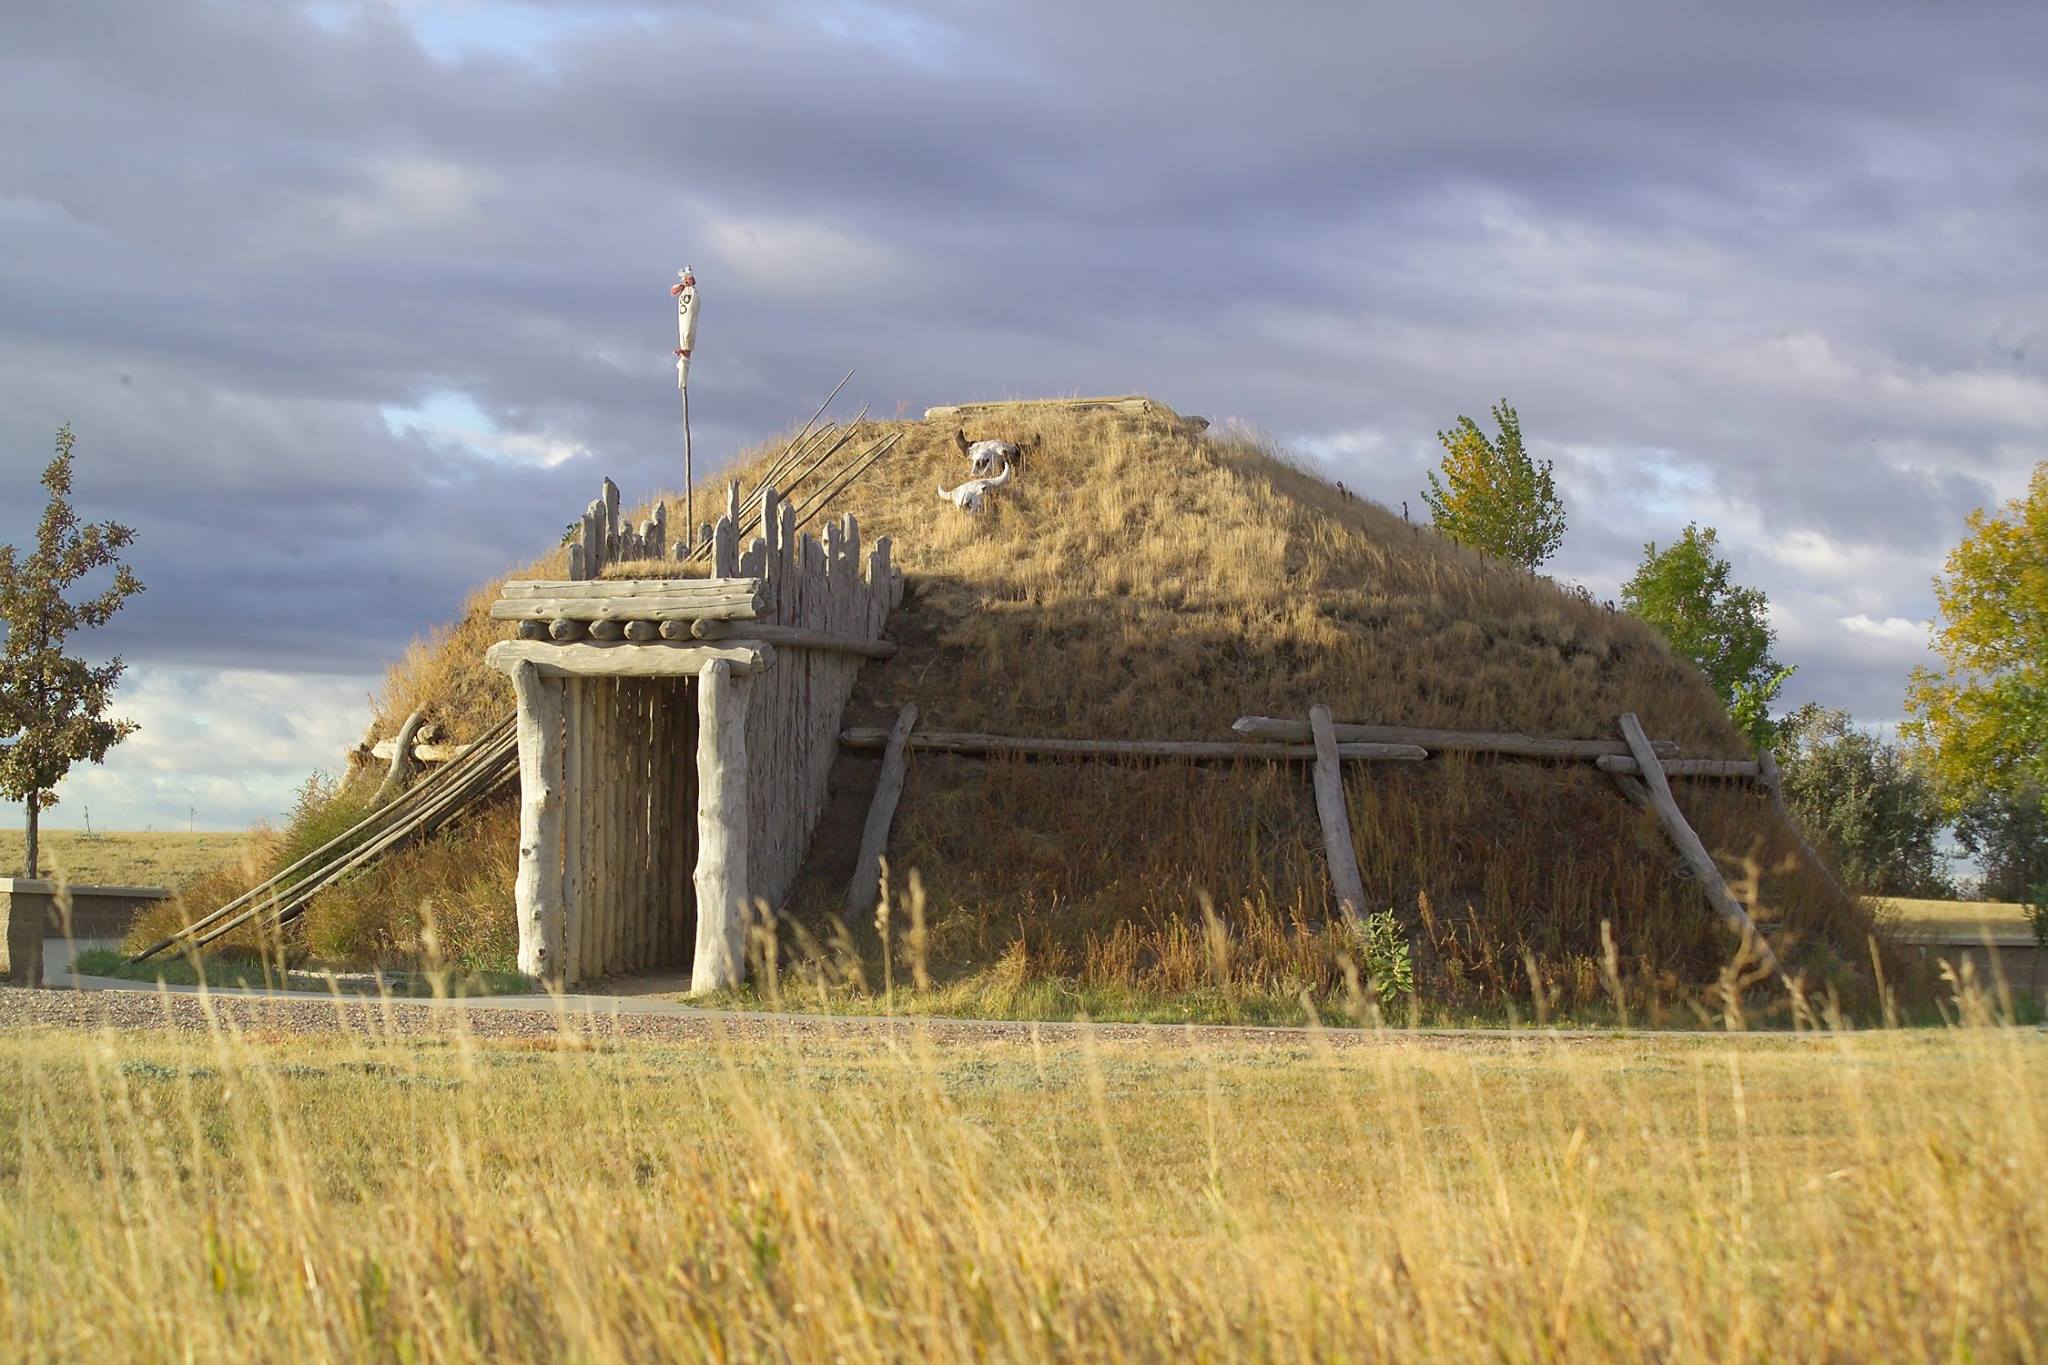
1143	578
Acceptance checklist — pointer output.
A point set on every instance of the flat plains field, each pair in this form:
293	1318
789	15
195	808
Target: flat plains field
1963	917
395	1182
121	857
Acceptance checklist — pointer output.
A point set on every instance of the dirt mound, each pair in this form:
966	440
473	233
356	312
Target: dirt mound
1141	577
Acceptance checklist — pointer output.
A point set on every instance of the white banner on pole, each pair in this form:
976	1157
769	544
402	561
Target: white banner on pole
685	290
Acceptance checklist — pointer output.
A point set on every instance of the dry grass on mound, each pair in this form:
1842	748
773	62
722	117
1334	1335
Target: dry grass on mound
1107	876
445	900
1140	579
1864	1196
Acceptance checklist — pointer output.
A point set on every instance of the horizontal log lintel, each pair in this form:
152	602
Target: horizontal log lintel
626	659
663	608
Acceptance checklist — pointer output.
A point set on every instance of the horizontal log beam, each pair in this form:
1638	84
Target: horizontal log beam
1680	767
520	589
648	608
967	742
1446	741
624	659
1129	404
793	637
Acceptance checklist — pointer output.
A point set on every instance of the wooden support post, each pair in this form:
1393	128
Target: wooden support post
615	827
866	887
538	889
404	763
683	823
651	766
722	816
645	811
1336	817
573	911
725	550
595	874
597	841
1632	789
1689	846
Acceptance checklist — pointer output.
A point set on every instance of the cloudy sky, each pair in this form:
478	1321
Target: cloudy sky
351	303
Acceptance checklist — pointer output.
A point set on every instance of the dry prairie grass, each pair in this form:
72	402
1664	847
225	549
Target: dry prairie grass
447	899
121	857
1847	1196
1141	579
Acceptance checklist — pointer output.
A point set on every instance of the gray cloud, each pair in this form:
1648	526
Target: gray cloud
1774	268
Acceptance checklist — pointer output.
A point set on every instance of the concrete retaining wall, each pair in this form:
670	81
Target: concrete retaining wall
96	911
2019	960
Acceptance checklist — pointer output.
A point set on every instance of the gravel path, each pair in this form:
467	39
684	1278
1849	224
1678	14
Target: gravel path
606	1018
145	1010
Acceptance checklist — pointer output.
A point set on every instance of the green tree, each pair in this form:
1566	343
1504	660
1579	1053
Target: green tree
1983	718
2007	833
53	707
1688	591
1492	496
1883	814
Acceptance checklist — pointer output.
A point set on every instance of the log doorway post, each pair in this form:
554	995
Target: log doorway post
722	820
537	892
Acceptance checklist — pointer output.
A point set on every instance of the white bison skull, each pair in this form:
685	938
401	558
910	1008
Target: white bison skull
970	496
987	456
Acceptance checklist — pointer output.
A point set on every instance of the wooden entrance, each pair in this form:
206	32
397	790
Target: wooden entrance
675	739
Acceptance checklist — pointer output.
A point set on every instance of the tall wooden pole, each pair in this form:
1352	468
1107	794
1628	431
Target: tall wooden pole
684	291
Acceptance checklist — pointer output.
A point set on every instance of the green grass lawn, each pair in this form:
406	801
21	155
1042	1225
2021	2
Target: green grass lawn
120	857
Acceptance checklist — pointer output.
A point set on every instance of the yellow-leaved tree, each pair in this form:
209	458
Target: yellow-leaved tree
1982	720
1493	496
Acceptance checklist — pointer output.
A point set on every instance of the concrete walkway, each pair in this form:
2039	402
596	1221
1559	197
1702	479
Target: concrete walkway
59	954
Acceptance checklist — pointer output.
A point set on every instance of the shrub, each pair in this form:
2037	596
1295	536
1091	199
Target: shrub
1383	954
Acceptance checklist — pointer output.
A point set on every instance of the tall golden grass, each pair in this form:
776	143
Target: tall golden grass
580	1196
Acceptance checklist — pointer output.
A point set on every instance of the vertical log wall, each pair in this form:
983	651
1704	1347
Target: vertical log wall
793	718
626	813
647	793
